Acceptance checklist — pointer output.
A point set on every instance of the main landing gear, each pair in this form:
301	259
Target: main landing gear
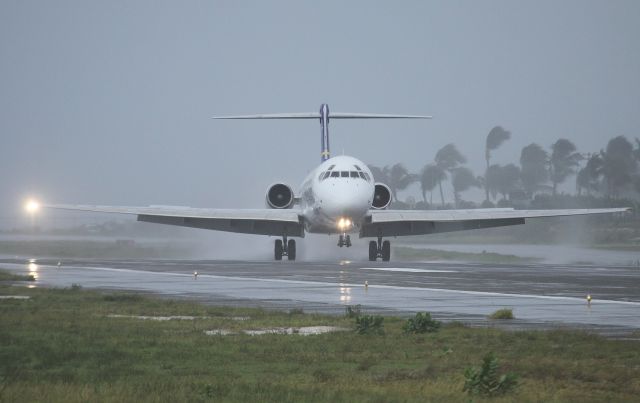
344	240
379	249
285	248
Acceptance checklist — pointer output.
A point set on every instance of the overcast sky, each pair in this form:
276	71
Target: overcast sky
109	102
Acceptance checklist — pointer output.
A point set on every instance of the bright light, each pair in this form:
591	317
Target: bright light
32	206
344	223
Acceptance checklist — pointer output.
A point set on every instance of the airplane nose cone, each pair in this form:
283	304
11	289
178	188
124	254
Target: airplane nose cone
342	201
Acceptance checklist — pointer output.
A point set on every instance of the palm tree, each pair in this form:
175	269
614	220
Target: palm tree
495	138
492	180
509	177
533	163
619	165
399	178
447	158
462	179
563	162
589	177
430	176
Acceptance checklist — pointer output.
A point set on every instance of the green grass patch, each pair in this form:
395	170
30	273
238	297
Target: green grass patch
504	313
62	345
408	253
8	276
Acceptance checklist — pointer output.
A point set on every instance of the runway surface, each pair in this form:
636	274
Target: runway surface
541	295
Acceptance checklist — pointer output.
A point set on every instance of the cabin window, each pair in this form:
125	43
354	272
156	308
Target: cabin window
366	176
331	167
362	175
335	174
320	176
326	175
353	174
358	168
344	174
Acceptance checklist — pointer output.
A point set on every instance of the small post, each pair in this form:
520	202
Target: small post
366	284
195	275
59	264
589	300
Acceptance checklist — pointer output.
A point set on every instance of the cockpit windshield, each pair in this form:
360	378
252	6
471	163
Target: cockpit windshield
344	174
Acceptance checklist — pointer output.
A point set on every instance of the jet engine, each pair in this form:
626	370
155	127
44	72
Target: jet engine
381	196
280	196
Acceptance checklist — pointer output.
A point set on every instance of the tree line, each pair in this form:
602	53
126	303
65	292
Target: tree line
612	172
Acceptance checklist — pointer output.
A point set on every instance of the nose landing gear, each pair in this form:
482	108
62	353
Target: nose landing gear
379	250
285	248
344	240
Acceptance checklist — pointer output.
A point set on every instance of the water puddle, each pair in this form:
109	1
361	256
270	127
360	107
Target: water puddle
303	331
159	318
174	317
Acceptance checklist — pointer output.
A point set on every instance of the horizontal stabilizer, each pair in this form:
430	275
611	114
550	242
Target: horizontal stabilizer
315	115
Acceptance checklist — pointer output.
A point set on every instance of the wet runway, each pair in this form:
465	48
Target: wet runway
541	295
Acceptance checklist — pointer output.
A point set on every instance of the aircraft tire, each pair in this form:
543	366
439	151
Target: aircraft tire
386	251
373	251
291	248
278	249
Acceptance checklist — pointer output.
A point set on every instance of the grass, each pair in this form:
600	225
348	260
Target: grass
501	314
408	253
7	276
61	346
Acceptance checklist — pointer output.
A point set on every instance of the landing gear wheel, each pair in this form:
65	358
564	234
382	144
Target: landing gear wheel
386	251
373	251
278	249
291	249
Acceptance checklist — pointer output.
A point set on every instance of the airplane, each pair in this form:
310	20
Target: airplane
339	197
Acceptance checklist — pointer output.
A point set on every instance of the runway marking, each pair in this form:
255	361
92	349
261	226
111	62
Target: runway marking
408	270
371	286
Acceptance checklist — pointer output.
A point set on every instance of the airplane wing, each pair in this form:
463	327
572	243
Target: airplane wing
275	222
422	222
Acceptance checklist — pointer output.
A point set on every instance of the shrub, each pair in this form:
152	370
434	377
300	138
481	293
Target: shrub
352	311
485	380
296	311
502	314
421	323
369	324
76	287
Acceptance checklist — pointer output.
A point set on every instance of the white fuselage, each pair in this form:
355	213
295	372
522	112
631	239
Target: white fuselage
336	196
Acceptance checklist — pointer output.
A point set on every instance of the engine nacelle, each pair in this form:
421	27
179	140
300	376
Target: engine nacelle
381	196
280	196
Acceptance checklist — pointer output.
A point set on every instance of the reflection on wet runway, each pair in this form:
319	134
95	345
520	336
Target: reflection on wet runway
540	295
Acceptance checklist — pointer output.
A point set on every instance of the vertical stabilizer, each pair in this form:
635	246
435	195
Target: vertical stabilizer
324	127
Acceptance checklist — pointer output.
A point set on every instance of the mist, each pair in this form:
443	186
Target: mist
110	103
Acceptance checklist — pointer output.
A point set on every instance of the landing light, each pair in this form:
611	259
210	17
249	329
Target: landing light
344	223
32	206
